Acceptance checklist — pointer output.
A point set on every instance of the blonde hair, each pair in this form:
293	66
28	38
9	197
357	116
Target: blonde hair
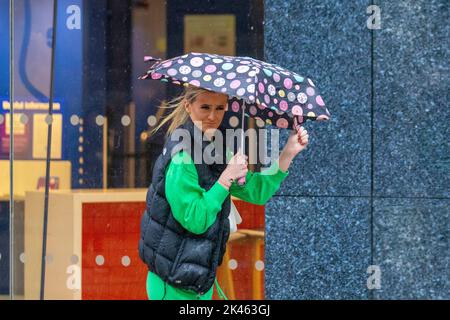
179	115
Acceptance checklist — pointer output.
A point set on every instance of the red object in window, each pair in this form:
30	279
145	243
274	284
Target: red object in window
112	230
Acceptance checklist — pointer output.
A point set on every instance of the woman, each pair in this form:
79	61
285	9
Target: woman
185	227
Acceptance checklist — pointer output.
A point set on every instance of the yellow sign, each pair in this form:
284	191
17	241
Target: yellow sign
40	129
212	33
19	127
30	105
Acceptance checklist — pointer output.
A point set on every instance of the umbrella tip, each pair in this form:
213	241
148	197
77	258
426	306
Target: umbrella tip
150	58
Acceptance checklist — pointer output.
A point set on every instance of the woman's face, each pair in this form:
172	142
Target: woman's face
209	109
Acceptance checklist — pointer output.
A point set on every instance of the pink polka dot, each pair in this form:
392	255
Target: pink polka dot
319	101
297	87
210	68
195	83
282	123
283	105
310	106
167	64
180	61
310	91
297	110
266	99
276	77
261	87
235	84
156	75
235	106
252	110
270	114
288	83
275	101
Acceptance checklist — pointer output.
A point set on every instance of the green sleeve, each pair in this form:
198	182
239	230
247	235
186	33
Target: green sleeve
192	206
259	187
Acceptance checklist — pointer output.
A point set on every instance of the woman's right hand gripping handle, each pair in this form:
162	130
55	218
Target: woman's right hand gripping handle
236	168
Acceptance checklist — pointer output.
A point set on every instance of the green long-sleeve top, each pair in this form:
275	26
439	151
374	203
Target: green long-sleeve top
196	208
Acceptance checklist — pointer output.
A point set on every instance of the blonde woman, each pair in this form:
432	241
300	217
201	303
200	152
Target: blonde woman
185	227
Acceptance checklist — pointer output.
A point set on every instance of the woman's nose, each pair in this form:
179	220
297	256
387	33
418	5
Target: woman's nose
212	116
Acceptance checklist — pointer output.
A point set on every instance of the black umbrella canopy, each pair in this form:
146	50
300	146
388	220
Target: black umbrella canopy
262	90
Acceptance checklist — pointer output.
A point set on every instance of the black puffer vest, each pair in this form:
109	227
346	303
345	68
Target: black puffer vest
183	259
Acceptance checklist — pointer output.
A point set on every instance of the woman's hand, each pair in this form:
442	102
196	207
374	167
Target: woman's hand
297	141
236	168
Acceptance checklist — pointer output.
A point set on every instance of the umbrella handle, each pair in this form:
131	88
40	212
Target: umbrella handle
241	180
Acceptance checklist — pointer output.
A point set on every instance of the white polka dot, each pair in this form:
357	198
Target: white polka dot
126	261
23	118
164	151
49	119
302	98
99	260
259	265
74	120
252	73
251	88
74	259
22	257
196	62
49	259
232	264
242	69
219	82
99	120
185	69
271	89
126	120
217	60
151	120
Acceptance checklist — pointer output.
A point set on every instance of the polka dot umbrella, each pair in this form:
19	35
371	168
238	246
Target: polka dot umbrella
262	90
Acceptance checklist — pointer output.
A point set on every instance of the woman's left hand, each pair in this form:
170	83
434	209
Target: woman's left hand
297	141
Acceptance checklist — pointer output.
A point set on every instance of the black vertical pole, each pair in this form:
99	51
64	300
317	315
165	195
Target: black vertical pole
49	140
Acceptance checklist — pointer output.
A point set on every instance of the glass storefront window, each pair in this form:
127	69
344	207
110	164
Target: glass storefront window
102	151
